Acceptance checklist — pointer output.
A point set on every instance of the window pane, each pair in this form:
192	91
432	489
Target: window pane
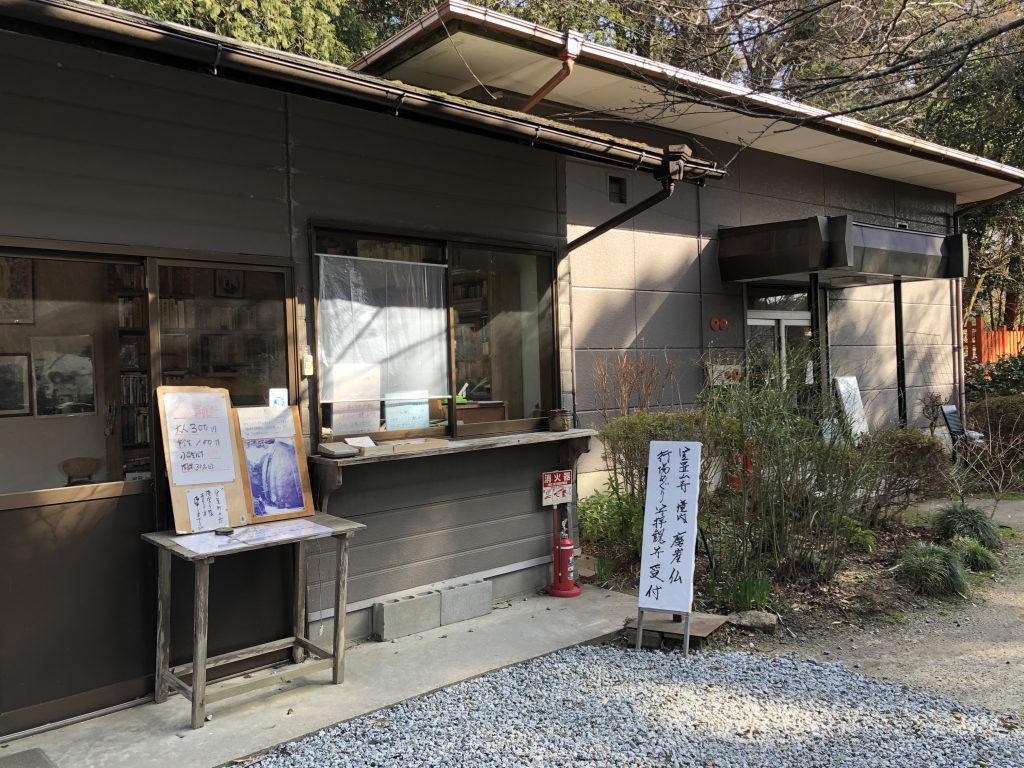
382	337
777	298
64	341
504	334
224	327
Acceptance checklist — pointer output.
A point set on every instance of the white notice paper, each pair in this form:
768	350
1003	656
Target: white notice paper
207	508
261	423
670	527
199	438
251	536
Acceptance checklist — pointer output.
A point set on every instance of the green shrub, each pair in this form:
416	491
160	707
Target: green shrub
997	463
907	465
932	569
744	592
958	519
1003	377
608	518
975	555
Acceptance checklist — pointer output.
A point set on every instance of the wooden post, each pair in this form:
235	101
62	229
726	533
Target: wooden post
639	627
163	624
299	619
200	626
340	590
686	636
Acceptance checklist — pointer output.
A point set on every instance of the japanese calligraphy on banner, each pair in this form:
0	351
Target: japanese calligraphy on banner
670	527
556	488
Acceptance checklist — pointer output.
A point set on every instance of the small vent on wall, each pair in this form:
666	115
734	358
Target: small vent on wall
617	190
902	225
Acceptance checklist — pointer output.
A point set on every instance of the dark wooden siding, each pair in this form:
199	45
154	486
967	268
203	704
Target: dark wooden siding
438	518
100	148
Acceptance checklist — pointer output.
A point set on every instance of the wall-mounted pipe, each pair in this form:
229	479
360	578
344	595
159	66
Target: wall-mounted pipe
668	186
560	76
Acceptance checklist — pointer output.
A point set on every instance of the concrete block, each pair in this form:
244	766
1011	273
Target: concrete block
466	601
406	615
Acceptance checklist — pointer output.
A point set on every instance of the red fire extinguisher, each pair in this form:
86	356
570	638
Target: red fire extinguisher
563	583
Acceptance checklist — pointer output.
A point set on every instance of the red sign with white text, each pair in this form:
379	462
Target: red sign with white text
556	487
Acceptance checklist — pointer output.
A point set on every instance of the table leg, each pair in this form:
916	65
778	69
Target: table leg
163	624
299	624
200	626
340	592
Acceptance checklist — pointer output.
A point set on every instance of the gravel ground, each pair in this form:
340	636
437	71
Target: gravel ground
599	706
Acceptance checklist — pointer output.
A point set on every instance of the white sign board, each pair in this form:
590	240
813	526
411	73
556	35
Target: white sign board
556	488
264	422
199	435
853	406
670	527
207	508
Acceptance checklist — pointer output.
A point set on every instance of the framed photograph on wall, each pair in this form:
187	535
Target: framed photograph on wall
229	283
64	375
16	291
14	385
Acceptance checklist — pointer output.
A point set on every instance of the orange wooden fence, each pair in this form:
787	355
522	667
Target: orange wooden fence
988	346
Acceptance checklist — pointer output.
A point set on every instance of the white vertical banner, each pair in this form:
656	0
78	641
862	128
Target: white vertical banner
670	527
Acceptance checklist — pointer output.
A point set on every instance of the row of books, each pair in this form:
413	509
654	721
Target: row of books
176	280
134	389
130	312
176	314
127	277
134	426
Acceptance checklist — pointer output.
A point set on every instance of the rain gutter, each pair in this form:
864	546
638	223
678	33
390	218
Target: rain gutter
132	34
458	14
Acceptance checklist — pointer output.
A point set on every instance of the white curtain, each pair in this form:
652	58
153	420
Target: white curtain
389	314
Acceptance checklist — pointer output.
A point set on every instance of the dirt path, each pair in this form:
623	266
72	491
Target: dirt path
972	651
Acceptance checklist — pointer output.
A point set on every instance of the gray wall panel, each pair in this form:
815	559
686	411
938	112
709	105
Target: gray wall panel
99	148
431	519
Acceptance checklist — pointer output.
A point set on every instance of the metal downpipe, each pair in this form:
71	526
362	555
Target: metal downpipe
668	186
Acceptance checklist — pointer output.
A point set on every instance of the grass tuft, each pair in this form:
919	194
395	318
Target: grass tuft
962	520
975	555
932	569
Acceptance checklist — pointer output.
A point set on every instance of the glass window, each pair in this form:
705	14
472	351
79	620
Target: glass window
224	327
784	299
396	319
382	336
504	354
74	382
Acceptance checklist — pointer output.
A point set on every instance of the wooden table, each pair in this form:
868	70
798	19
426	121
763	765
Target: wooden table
201	549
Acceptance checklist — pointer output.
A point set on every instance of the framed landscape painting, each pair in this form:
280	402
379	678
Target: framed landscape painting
64	375
14	386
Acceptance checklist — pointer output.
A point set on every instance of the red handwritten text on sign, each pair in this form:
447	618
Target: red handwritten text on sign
556	487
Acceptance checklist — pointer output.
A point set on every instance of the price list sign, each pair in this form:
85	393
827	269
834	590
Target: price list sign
670	527
199	438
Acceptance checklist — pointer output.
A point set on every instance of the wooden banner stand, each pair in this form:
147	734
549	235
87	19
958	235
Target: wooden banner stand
686	630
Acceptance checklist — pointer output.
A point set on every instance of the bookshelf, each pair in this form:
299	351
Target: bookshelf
223	328
128	416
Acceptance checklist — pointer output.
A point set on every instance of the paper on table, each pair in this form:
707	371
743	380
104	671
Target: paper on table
360	442
253	535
